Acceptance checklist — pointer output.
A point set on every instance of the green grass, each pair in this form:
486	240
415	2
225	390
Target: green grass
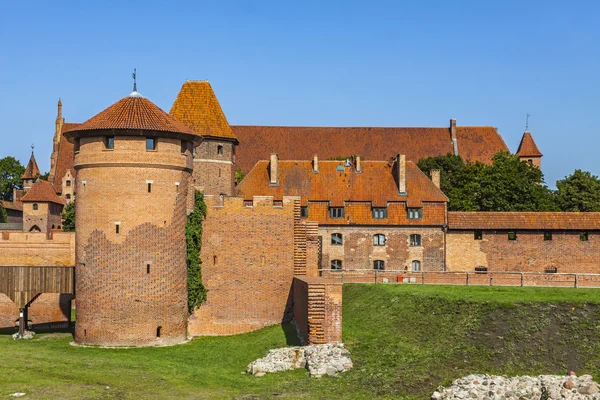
405	341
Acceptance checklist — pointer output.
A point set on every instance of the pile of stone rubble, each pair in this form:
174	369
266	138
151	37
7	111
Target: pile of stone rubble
321	359
541	387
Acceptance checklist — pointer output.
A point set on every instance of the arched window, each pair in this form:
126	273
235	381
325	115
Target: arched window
379	239
68	196
35	206
336	239
68	183
415	240
379	265
416	265
336	265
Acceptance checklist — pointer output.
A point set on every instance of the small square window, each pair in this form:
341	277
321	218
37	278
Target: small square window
481	270
68	196
415	213
478	235
68	183
379	265
512	236
547	235
109	142
551	270
379	239
583	236
150	144
380	213
336	212
336	239
336	265
415	240
304	212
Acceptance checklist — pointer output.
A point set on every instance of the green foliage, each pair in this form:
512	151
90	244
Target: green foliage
193	237
3	216
68	217
579	191
239	175
45	176
507	185
11	172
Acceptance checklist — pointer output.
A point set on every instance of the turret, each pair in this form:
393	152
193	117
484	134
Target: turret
32	172
528	151
133	164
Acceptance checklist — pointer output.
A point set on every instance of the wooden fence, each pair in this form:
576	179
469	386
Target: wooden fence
23	284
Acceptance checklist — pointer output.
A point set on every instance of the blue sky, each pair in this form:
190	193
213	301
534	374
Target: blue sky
324	63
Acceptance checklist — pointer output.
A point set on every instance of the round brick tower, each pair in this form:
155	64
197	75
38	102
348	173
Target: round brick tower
134	165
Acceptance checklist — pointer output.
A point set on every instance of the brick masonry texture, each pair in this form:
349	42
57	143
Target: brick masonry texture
528	253
37	249
247	265
9	313
120	300
213	172
50	309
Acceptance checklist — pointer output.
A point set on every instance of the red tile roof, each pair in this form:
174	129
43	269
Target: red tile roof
11	206
64	159
136	113
375	184
524	220
527	147
41	191
477	143
31	171
198	108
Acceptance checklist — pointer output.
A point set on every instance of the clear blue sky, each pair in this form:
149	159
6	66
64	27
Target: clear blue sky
330	63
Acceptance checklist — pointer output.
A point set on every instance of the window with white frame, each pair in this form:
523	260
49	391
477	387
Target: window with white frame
415	240
379	239
416	265
336	239
336	265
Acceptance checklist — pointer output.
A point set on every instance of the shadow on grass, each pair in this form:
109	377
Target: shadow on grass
291	337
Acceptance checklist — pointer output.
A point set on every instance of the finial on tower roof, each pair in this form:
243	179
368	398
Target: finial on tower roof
32	147
527	123
134	76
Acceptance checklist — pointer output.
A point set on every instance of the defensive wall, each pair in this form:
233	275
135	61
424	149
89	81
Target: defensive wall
37	249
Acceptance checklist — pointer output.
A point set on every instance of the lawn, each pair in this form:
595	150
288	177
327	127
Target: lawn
405	341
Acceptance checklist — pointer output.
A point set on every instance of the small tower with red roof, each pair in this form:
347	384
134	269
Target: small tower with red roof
32	172
42	208
528	150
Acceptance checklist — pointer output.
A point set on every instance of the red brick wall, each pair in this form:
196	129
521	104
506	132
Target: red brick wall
528	253
37	249
50	308
120	303
213	173
249	282
9	313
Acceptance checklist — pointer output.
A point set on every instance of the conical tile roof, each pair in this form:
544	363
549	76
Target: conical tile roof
527	147
31	171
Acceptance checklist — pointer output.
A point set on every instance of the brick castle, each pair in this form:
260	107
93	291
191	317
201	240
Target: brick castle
275	245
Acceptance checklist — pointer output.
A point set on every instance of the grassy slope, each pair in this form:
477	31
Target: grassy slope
405	340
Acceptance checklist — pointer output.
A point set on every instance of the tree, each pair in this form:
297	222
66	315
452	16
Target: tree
68	216
579	191
507	185
3	216
45	176
11	172
239	175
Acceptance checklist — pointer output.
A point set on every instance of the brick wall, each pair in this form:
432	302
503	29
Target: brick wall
37	249
214	173
247	265
9	313
50	308
528	253
318	309
358	251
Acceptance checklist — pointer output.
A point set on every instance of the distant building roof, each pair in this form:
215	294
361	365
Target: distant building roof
133	112
198	108
31	171
527	147
475	143
64	159
524	220
9	205
337	183
42	191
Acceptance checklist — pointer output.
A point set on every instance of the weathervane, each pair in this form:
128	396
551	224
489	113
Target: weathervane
527	123
32	147
134	75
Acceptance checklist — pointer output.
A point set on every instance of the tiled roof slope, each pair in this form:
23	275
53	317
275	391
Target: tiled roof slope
11	206
31	171
136	113
375	183
198	108
524	220
527	147
42	191
64	160
301	143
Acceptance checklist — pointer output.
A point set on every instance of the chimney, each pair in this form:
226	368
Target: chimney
453	136
274	169
315	164
358	165
435	177
401	165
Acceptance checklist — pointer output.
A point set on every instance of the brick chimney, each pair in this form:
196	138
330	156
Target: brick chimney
401	165
358	165
274	170
453	136
315	164
435	177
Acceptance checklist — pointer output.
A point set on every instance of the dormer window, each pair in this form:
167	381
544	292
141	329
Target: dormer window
415	213
336	212
150	144
380	213
109	142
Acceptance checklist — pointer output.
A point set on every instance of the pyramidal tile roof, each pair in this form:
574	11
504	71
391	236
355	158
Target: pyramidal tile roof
527	147
42	191
198	108
31	171
134	112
